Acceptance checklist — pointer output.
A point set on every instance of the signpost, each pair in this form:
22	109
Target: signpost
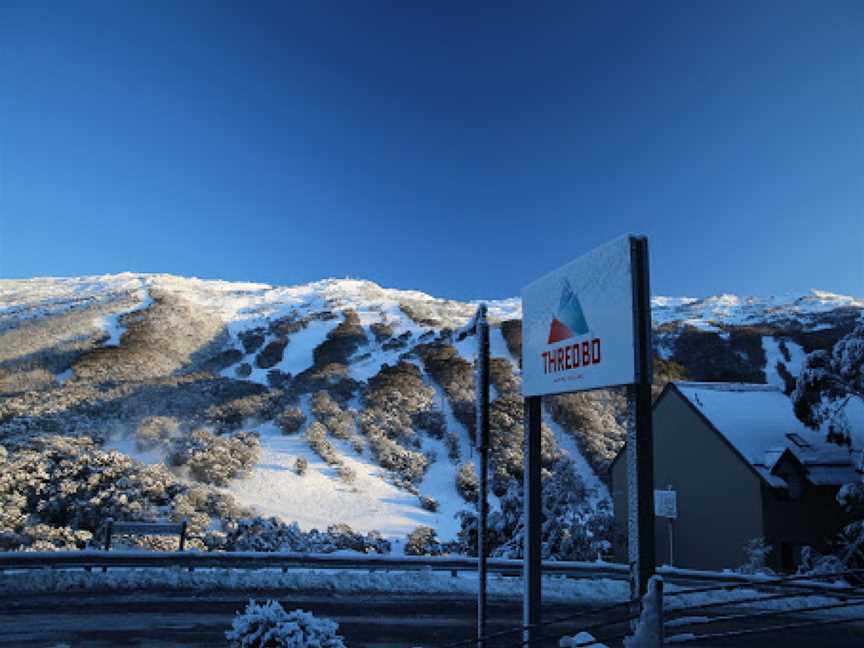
479	326
666	506
587	326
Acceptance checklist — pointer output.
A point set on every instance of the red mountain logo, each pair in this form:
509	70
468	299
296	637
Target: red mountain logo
570	321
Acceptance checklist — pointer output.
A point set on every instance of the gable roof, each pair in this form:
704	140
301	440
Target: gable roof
757	420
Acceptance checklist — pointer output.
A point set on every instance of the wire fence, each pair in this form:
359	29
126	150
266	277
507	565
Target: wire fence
805	596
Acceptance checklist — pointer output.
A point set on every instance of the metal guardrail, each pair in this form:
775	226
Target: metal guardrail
12	560
287	560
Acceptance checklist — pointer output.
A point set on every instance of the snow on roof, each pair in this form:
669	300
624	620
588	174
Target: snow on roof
759	421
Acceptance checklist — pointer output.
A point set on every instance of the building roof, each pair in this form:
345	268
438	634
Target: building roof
758	421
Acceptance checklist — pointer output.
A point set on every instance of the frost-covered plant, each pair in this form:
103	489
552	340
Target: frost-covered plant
828	381
466	482
271	534
347	474
290	420
756	552
826	384
429	503
573	528
423	541
268	625
70	485
316	434
301	465
338	421
215	459
155	431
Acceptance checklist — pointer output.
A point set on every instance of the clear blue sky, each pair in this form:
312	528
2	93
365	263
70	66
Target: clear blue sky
459	148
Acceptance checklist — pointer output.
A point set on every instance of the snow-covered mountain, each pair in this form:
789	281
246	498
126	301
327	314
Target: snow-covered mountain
364	384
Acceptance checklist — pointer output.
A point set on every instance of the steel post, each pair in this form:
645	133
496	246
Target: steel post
533	501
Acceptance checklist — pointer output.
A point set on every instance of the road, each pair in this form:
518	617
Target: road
171	619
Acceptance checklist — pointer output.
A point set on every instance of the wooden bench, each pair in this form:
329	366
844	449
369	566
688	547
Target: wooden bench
145	528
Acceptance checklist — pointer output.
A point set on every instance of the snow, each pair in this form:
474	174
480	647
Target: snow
733	310
297	356
343	581
649	630
440	483
580	640
245	305
773	355
111	325
320	498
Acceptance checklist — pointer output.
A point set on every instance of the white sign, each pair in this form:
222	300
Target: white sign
577	324
666	504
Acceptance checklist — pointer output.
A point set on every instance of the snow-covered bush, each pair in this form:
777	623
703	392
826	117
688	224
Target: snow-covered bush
423	541
456	377
597	421
451	441
347	474
316	435
429	503
573	528
69	485
268	625
215	459
756	552
339	422
260	406
156	431
290	420
271	534
301	466
467	483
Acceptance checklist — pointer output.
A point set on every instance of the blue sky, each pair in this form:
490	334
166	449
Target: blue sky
464	149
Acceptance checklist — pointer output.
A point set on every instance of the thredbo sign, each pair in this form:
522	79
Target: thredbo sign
577	324
586	326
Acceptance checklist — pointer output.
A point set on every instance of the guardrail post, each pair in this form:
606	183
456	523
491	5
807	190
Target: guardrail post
183	534
658	589
109	526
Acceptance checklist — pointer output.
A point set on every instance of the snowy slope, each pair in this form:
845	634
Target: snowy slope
61	318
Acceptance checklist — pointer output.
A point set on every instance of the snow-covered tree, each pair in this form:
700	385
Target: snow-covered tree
828	381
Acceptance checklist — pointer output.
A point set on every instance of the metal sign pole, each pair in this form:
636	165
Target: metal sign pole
533	501
640	451
482	421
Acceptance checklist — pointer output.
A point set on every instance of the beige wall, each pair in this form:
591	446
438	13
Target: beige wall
719	496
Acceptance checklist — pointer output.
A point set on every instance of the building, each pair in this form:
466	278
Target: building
742	467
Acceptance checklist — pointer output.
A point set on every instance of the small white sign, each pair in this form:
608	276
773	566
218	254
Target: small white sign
577	324
666	504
